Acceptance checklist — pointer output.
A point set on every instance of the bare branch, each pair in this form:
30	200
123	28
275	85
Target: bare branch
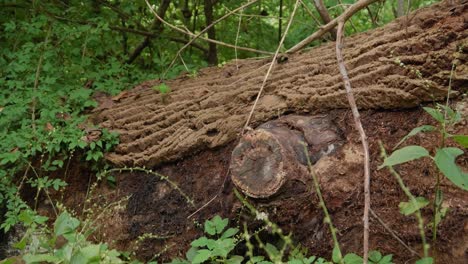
345	16
271	66
323	12
200	37
362	133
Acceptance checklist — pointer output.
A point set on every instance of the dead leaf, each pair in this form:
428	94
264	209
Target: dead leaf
49	127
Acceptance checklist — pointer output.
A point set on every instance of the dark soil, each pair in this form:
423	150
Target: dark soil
154	207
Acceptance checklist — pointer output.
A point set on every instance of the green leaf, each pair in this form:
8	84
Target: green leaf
201	256
162	88
375	256
386	259
427	260
404	155
352	258
65	223
408	208
445	161
87	254
436	114
461	139
40	258
200	242
235	260
424	128
336	255
229	233
271	250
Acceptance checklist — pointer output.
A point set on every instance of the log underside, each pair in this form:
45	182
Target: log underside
210	110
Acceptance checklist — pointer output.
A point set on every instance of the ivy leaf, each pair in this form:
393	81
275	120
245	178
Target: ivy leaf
445	161
415	131
404	155
408	208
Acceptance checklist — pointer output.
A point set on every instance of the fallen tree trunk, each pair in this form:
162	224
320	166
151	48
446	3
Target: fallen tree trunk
401	65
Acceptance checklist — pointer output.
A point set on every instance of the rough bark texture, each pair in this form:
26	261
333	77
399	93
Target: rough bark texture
209	111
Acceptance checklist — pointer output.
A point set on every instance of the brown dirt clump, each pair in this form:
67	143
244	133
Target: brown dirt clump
210	110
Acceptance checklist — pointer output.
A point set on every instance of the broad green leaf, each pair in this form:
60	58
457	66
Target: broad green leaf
271	250
65	223
88	254
461	139
200	242
436	114
386	259
427	260
220	223
295	261
336	255
408	208
229	232
404	155
445	161
235	260
352	258
375	256
415	131
201	256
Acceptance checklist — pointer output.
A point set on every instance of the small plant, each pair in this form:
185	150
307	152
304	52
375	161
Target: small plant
66	243
216	246
444	159
163	89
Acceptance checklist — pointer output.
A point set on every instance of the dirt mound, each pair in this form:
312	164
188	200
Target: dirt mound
159	212
398	66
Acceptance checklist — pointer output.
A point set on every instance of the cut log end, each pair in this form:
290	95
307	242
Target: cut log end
257	164
272	154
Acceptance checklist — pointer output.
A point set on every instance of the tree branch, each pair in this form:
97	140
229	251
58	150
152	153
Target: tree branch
206	39
362	133
331	25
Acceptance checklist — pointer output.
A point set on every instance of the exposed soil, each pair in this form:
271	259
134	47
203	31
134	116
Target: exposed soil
154	207
210	110
190	134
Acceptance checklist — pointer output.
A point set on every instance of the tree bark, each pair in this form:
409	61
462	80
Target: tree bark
391	67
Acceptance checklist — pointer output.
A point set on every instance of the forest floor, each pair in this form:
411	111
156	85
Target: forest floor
189	136
152	206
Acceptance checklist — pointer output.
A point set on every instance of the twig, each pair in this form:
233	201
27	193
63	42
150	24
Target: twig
206	39
326	28
362	133
323	12
206	29
271	65
393	233
213	198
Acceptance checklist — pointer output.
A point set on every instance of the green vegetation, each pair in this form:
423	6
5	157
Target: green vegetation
57	57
